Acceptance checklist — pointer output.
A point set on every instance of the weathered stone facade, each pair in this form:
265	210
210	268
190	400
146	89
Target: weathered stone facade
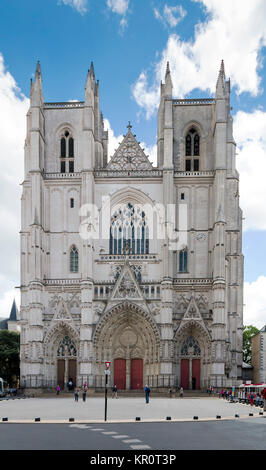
162	315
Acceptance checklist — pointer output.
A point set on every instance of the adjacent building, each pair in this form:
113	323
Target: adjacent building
258	358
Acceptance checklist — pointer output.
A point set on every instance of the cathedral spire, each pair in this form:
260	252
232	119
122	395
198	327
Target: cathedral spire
168	81
220	84
36	93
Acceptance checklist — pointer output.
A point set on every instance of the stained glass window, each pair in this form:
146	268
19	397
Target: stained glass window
190	346
129	233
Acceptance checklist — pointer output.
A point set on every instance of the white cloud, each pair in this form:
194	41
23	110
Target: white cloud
171	16
250	136
120	7
79	5
13	108
113	142
231	32
255	302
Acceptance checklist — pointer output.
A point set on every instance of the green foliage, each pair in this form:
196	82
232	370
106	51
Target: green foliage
248	332
9	356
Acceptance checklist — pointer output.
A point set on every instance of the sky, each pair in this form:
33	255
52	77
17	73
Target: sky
130	42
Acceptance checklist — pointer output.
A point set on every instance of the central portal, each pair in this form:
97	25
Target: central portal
135	373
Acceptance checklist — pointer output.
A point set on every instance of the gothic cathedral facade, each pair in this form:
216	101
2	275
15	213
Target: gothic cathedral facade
128	262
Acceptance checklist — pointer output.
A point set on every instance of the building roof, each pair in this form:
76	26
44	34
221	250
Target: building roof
14	312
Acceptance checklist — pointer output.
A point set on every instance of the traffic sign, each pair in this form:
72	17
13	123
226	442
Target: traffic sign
107	365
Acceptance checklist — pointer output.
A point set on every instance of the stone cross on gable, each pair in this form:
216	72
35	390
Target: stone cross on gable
129	126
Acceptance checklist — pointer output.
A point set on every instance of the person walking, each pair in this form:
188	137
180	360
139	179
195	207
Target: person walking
147	393
76	394
115	391
58	389
181	392
84	394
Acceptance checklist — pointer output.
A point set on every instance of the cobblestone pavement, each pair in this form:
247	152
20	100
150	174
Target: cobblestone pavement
122	409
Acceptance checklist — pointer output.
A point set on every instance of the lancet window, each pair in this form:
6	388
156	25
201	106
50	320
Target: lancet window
192	150
66	153
74	260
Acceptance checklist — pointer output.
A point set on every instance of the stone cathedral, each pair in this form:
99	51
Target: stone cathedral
101	280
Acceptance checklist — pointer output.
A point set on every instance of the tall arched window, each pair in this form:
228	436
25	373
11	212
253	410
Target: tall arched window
129	231
192	150
183	261
74	260
66	153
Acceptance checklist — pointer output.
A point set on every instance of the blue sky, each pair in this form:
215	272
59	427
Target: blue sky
129	42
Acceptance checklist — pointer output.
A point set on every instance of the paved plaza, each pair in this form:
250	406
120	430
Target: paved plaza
60	409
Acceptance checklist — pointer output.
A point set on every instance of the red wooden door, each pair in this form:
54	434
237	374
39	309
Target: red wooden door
61	373
184	374
136	381
196	373
120	373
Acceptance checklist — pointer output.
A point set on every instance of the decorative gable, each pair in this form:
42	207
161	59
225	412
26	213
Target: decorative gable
129	155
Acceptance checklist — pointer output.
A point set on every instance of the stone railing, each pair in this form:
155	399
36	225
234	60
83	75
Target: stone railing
128	173
58	175
200	174
61	282
64	104
190	281
150	291
189	102
137	257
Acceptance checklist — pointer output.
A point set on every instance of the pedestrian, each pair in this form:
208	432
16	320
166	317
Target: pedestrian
76	394
85	385
170	391
181	392
58	389
115	392
147	393
84	394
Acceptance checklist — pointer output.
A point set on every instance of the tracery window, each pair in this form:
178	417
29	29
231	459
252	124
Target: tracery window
74	260
66	153
192	150
183	261
66	348
190	346
129	232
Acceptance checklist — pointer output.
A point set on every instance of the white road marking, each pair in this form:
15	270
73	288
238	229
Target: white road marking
140	447
131	441
109	432
80	426
97	429
120	436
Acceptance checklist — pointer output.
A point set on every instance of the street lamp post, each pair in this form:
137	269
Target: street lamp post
107	372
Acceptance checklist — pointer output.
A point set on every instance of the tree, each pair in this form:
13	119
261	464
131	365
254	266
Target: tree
248	332
9	356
